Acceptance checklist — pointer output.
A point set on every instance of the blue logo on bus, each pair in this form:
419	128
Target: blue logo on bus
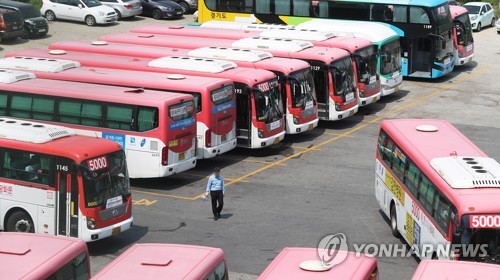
118	138
182	123
222	107
143	142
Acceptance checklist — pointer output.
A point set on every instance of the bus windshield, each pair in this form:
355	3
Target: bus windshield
464	30
343	77
302	87
105	177
268	103
488	236
366	61
442	15
390	58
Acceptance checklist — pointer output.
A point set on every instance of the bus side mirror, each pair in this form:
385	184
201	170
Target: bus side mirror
456	237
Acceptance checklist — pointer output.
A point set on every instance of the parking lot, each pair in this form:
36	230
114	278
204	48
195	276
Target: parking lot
311	185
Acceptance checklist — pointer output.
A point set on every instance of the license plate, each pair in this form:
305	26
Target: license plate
276	140
447	61
179	13
468	48
182	156
349	97
14	27
351	113
116	230
311	127
42	30
224	138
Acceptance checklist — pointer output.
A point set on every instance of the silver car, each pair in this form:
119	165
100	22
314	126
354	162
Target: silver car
124	8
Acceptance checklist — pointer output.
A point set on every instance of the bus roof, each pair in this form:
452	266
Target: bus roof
444	270
303	49
444	150
242	75
106	76
376	32
52	139
36	256
157	261
286	265
457	11
424	3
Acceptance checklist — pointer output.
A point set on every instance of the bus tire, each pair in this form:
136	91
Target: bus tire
20	221
394	221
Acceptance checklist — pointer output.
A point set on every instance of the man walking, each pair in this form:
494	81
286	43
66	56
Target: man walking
215	187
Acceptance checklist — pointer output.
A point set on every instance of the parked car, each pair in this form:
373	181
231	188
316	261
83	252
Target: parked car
11	25
159	9
498	26
34	24
124	8
91	12
188	6
481	14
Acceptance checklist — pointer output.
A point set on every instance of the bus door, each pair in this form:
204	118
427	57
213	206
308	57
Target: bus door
244	114
421	58
321	79
67	199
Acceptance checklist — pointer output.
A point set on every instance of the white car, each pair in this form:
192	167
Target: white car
498	26
91	12
481	14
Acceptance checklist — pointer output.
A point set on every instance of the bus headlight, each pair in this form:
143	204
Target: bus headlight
261	134
361	93
337	107
91	223
295	120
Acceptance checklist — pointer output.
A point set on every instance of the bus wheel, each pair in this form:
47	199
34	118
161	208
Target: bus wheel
20	221
394	222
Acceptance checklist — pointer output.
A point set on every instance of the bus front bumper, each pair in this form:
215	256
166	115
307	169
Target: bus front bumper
340	115
177	167
464	60
303	127
90	235
364	101
275	139
390	86
217	150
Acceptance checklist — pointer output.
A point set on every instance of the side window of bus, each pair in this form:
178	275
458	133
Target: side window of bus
3	104
301	8
419	16
219	273
147	118
230	5
381	12
120	117
411	178
76	269
25	166
426	194
197	101
387	148
442	212
25	106
398	163
282	7
263	7
350	11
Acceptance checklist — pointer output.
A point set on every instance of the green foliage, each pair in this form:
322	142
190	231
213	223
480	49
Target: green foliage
36	3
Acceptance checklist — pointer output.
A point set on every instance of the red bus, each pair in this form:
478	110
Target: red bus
294	76
167	261
439	190
304	263
40	256
445	270
462	35
363	57
53	181
261	121
156	130
333	74
214	98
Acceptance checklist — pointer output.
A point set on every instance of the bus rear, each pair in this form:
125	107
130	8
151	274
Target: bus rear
294	75
462	36
304	263
444	270
167	261
37	256
215	102
261	121
80	182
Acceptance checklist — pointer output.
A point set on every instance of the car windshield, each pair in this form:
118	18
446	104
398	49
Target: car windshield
473	10
390	58
91	3
343	76
268	104
105	177
366	62
29	11
302	87
464	30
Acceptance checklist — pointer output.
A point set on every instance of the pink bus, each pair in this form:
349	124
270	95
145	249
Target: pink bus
362	53
294	76
157	131
439	190
167	261
462	35
303	263
37	256
445	270
214	98
257	91
333	74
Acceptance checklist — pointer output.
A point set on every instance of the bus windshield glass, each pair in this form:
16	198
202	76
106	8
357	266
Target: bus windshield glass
442	15
181	111
302	87
390	58
105	177
464	30
268	104
343	77
366	61
478	235
222	95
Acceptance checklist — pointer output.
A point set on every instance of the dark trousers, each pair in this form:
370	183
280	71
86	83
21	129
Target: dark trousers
217	198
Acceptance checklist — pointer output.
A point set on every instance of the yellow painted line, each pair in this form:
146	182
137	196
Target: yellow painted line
336	134
248	160
303	148
166	195
206	176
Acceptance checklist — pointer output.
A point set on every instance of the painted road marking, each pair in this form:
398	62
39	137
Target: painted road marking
144	202
303	148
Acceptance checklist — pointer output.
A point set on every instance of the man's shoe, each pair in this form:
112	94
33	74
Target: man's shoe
216	218
219	216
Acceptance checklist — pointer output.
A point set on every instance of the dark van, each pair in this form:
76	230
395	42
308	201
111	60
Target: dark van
34	24
11	25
